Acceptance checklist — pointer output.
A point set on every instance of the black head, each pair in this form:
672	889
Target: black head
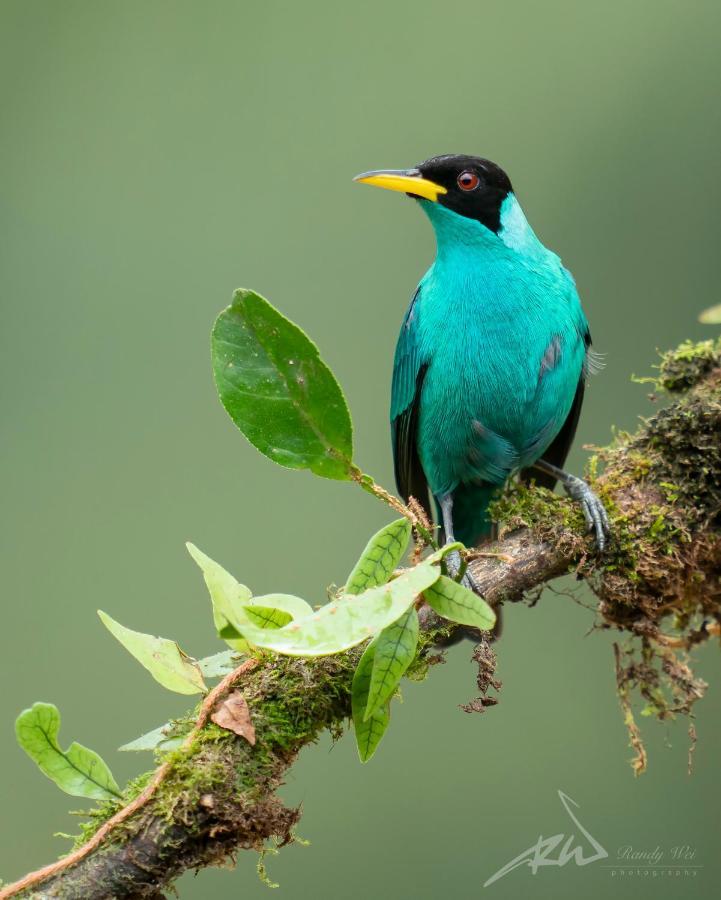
467	185
475	187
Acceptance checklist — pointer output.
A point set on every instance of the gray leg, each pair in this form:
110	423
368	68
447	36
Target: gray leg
453	560
593	510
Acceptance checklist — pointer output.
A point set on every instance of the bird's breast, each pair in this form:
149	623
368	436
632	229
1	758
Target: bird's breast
504	357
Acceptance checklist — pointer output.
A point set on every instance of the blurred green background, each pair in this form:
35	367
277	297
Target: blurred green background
155	155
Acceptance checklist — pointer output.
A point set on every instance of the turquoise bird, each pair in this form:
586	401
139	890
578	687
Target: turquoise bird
492	357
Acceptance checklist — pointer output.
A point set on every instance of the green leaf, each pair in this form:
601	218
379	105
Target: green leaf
165	661
219	664
269	611
230	634
278	391
395	648
295	607
225	593
345	622
443	551
711	316
232	599
368	731
267	617
382	554
77	771
455	602
166	737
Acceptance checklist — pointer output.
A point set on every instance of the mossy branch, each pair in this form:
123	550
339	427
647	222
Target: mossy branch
659	584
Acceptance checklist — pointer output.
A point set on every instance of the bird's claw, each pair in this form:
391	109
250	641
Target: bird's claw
453	565
594	512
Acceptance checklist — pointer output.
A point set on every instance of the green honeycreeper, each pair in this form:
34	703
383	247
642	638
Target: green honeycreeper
493	354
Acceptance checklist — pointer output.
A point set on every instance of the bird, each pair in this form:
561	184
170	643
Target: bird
492	358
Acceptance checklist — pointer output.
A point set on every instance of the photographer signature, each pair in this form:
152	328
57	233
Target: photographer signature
539	854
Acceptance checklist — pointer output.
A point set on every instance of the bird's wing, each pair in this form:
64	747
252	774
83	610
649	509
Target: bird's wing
558	450
409	370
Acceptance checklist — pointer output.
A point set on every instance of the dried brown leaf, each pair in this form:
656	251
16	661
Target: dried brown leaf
233	715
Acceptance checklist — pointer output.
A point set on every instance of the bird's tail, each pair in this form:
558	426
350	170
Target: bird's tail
470	512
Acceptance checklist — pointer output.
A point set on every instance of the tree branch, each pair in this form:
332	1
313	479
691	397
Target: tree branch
660	581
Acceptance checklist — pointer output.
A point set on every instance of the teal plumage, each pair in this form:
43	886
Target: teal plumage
497	328
493	351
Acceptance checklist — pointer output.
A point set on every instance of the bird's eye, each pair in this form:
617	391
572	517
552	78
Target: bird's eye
468	181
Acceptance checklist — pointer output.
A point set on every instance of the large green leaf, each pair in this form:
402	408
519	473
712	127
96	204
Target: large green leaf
278	391
77	770
395	648
382	554
455	602
368	731
163	658
345	622
225	592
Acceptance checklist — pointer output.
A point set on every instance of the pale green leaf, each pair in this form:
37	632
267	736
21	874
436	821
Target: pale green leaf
220	664
77	771
232	600
711	316
166	737
225	593
345	622
368	732
381	556
395	648
165	661
278	391
455	602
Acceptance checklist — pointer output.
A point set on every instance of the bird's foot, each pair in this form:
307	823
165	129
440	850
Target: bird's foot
594	511
453	565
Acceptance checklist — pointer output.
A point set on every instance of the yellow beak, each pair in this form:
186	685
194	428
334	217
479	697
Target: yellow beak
407	181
